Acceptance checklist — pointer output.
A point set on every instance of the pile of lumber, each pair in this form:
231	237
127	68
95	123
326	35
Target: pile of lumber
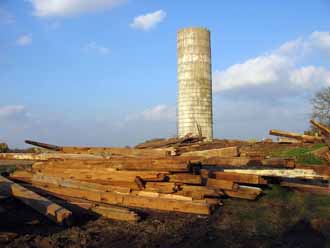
120	182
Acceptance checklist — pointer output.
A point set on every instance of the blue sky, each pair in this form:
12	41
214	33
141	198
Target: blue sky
103	72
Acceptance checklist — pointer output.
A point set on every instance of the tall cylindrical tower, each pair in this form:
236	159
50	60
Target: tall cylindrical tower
195	83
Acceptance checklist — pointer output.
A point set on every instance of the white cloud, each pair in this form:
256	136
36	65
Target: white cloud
257	119
321	40
6	17
159	112
308	76
92	46
24	40
148	21
62	8
11	110
280	67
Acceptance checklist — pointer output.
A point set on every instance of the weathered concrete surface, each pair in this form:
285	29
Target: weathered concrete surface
195	83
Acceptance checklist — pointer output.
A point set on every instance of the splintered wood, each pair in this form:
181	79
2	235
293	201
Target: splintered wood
177	174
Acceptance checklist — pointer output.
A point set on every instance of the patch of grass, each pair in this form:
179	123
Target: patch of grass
303	155
278	193
303	205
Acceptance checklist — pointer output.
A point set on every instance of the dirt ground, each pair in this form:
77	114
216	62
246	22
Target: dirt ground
280	218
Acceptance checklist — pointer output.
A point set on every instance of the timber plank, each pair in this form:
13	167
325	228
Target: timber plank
44	206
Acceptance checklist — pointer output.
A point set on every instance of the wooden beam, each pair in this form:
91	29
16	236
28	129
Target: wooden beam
124	163
221	152
184	178
302	137
121	151
43	145
282	173
221	184
239	178
103	209
39	179
244	192
44	206
48	156
103	174
169	142
324	129
245	161
160	202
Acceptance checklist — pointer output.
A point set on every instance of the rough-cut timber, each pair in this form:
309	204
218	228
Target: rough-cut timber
221	184
115	151
284	140
171	142
325	132
121	151
221	152
106	210
185	178
245	161
48	156
101	174
43	145
44	206
301	137
37	179
143	164
131	200
324	129
244	192
238	178
294	173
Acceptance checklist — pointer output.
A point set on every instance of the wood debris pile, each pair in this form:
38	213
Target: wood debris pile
184	175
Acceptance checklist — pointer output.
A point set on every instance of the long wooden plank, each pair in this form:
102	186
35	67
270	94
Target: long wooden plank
70	183
44	145
44	206
118	164
184	178
168	142
130	200
239	178
38	179
222	184
104	174
220	152
245	161
244	192
285	173
48	156
325	130
106	210
122	151
198	192
302	137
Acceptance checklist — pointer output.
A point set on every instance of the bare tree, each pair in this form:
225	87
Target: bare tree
321	106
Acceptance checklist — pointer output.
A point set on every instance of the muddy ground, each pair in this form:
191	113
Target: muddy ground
279	218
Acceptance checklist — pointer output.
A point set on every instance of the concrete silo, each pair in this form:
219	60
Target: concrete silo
195	83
